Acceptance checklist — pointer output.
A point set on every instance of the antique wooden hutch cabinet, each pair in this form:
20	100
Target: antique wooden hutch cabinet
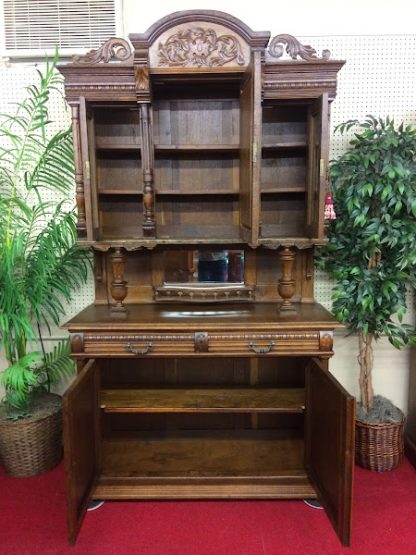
201	152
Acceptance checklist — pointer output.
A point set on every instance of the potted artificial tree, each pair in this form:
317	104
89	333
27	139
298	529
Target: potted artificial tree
371	253
40	266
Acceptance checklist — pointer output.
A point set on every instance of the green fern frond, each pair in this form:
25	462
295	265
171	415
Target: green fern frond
58	363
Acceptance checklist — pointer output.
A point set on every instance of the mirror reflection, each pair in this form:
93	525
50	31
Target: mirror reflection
204	266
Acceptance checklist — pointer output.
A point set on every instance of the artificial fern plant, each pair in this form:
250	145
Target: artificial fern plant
371	251
40	263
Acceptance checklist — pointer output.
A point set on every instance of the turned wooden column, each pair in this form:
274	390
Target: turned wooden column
286	286
149	224
141	74
79	176
118	284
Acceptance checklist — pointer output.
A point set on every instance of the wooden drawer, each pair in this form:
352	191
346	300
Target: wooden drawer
197	343
264	344
133	344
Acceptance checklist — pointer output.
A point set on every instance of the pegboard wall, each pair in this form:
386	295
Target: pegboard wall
378	78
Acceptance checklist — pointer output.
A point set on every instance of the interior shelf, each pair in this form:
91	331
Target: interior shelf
204	453
238	400
116	191
196	192
266	188
284	145
200	148
105	145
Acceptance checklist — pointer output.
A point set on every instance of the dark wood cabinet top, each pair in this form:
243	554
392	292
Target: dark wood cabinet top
234	317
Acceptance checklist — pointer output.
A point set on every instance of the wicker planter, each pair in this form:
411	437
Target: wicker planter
32	445
379	447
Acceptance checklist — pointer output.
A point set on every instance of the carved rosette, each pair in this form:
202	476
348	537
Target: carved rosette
326	341
77	342
199	47
294	48
114	49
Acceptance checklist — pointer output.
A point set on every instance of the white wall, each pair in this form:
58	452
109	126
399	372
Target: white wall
299	18
378	41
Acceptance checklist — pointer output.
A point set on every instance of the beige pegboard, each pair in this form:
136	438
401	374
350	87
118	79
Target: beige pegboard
13	82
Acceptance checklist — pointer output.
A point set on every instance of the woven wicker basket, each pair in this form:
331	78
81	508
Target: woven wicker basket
33	445
379	447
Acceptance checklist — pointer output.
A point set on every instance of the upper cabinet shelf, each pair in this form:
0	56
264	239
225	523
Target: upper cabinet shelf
203	129
198	148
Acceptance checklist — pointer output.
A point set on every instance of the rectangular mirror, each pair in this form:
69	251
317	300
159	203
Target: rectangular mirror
204	266
204	275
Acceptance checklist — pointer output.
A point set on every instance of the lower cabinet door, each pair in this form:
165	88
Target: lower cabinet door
80	416
329	437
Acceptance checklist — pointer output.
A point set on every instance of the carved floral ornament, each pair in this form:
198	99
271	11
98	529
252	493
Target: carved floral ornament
294	48
114	49
199	47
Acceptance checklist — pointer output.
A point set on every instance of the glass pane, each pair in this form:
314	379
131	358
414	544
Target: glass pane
204	266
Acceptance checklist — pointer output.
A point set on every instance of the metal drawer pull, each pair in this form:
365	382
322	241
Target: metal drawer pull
261	350
143	351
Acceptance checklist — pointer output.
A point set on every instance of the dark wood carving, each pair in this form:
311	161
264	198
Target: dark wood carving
118	285
114	49
141	74
286	285
203	294
77	342
201	342
326	341
198	139
79	176
294	48
199	47
149	224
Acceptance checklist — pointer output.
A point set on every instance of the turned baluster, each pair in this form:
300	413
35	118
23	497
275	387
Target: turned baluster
79	177
118	284
286	286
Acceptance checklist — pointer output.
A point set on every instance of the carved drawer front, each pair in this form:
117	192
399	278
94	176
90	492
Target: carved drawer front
201	343
139	344
269	344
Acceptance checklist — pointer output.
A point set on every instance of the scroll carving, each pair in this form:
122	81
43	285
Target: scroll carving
112	49
294	48
198	47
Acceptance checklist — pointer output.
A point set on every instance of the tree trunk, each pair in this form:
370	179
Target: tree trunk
365	360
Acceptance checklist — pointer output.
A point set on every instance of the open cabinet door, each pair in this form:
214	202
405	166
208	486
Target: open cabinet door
329	439
318	119
250	151
80	414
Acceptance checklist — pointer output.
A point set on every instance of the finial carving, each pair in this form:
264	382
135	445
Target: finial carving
198	47
113	49
294	48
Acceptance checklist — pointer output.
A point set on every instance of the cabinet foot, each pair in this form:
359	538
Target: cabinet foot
95	504
314	503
